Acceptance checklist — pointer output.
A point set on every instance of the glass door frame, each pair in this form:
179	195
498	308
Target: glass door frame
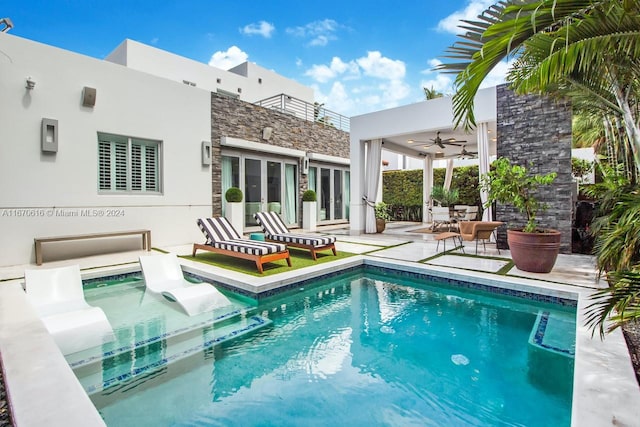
264	161
329	212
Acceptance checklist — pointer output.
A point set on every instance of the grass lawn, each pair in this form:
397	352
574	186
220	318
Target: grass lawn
299	259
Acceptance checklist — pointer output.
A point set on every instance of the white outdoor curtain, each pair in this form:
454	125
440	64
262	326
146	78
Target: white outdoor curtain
372	177
448	175
290	194
483	165
227	179
427	186
347	191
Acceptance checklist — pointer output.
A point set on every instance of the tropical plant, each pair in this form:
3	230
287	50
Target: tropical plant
233	195
443	196
382	211
309	196
617	243
513	184
587	50
432	93
580	167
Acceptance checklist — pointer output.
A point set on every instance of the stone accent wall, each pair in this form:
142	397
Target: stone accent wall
238	119
535	132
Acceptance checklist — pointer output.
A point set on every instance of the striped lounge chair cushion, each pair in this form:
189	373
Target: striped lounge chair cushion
275	229
222	235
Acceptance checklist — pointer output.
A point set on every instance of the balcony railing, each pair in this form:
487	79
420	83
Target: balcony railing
301	109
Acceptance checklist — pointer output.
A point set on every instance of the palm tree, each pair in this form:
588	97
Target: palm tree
562	47
432	93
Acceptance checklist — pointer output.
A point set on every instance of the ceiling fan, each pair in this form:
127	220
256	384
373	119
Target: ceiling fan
464	154
441	142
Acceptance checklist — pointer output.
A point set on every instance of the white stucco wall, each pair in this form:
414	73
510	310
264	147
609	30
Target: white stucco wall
245	76
38	190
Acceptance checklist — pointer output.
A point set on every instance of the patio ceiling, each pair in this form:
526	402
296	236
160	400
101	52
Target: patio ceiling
418	144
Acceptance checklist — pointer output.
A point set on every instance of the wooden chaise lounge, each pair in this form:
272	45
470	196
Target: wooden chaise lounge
224	239
275	230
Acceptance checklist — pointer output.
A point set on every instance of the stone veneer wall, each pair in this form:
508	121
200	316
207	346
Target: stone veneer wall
536	132
238	119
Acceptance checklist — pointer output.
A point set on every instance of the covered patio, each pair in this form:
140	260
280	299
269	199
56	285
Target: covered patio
412	130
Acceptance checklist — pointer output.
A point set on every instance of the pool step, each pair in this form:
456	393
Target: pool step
554	333
128	365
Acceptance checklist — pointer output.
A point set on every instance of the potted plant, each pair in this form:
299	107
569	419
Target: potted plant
234	211
532	248
382	216
443	196
309	210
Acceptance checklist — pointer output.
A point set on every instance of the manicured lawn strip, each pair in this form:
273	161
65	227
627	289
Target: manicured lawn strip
379	248
299	259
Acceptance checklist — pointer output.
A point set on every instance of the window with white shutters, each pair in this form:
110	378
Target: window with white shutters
129	165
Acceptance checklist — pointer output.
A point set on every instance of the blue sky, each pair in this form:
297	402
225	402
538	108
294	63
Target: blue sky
359	56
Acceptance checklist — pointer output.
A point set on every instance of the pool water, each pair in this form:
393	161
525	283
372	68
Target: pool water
359	349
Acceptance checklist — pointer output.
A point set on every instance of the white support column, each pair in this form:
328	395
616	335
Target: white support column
483	165
448	175
427	186
357	170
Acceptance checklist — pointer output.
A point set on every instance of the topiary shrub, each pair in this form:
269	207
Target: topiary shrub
309	196
233	195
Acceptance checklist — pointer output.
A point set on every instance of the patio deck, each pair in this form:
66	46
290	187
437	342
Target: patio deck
605	387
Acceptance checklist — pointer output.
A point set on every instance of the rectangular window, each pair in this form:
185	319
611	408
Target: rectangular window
130	165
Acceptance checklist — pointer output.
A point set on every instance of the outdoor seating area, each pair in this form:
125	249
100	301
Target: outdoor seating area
275	230
223	238
163	277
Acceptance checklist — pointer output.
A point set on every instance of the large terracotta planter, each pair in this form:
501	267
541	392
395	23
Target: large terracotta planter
381	224
534	252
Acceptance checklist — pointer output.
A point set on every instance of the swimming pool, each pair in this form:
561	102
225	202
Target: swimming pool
365	348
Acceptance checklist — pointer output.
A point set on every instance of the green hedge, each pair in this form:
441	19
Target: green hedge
402	190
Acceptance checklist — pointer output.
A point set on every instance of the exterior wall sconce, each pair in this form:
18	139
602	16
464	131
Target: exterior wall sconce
49	136
206	153
30	83
267	132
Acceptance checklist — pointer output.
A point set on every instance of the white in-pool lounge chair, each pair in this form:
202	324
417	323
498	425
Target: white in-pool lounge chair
224	239
275	230
163	276
57	296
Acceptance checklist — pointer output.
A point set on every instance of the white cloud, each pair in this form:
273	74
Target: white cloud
262	28
320	33
470	13
229	59
324	73
441	82
375	65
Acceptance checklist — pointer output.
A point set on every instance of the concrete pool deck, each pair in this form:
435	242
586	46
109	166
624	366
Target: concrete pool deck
42	388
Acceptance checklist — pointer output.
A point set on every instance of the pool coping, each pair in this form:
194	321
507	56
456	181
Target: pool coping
46	391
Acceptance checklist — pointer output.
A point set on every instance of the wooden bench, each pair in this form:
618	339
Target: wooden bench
146	239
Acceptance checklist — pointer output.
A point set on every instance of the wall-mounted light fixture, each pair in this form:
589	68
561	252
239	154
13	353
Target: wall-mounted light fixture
89	96
267	132
49	136
30	83
206	153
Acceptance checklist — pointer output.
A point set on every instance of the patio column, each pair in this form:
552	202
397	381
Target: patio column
448	176
483	165
427	185
357	170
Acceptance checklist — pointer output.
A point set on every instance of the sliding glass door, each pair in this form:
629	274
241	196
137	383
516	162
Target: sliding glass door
269	185
331	186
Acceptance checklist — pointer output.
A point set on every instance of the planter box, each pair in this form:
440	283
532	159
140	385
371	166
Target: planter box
234	212
309	215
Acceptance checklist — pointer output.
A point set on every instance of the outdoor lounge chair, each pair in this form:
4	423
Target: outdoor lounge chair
222	238
163	276
275	230
478	230
58	298
440	215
